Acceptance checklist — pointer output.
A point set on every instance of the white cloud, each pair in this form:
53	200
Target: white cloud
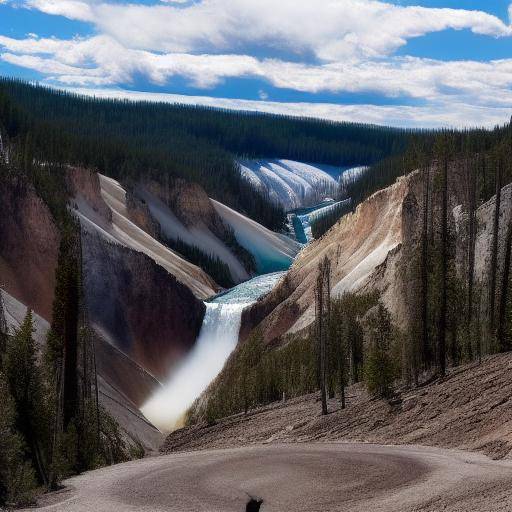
330	29
102	58
350	46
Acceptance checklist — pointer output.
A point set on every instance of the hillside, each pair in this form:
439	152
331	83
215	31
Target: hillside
470	409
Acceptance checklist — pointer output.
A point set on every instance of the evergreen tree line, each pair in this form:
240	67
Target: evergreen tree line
51	423
455	318
419	153
212	265
125	139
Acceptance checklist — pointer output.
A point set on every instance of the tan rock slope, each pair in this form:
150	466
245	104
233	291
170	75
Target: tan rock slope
370	250
356	245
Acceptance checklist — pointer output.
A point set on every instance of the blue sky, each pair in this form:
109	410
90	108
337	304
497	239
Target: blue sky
408	63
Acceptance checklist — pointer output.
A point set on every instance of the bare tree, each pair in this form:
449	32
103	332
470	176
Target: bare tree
503	343
441	354
494	251
323	306
424	268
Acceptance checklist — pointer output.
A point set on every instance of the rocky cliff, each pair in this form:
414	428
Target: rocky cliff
152	317
29	244
373	249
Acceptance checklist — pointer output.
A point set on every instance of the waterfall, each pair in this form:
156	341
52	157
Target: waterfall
218	338
216	341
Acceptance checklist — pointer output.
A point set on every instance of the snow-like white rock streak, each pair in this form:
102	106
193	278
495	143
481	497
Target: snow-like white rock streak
287	182
125	232
272	251
293	184
199	235
217	339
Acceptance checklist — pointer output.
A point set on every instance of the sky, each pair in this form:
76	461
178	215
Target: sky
416	63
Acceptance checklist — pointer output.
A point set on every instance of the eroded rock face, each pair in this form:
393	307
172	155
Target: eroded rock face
152	317
356	245
84	187
29	244
190	204
377	249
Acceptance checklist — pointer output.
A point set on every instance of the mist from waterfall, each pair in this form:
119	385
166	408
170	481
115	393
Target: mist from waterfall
217	339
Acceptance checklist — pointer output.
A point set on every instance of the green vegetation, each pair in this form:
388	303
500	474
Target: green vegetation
450	317
51	423
257	374
212	265
126	140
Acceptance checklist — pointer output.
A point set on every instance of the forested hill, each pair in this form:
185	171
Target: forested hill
124	139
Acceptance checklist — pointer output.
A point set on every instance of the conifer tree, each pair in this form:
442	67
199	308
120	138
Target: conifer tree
26	387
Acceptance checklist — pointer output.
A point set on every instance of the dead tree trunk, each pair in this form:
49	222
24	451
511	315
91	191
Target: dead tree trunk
494	253
444	270
471	261
503	343
323	313
424	270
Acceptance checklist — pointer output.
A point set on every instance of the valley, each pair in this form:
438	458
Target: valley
316	314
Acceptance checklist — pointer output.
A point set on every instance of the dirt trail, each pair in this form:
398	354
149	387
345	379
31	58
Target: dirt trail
297	477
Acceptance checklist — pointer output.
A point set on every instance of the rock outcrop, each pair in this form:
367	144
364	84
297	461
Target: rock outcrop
29	245
152	318
373	249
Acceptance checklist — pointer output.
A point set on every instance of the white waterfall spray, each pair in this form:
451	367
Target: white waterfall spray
216	341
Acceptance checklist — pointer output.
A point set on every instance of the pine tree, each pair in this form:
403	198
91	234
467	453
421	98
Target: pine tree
17	479
26	387
379	367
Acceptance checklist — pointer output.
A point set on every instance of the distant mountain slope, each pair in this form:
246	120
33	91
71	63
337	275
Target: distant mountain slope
289	183
204	231
123	139
121	229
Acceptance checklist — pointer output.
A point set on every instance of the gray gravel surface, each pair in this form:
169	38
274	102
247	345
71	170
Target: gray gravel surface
296	477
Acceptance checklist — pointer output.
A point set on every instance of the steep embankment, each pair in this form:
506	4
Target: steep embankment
374	249
145	319
185	212
151	317
356	245
469	409
271	251
125	231
29	245
135	287
122	383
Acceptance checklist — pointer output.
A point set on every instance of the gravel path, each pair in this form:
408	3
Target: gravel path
314	477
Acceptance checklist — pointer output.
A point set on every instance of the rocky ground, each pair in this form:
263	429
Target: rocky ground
308	477
295	459
470	409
